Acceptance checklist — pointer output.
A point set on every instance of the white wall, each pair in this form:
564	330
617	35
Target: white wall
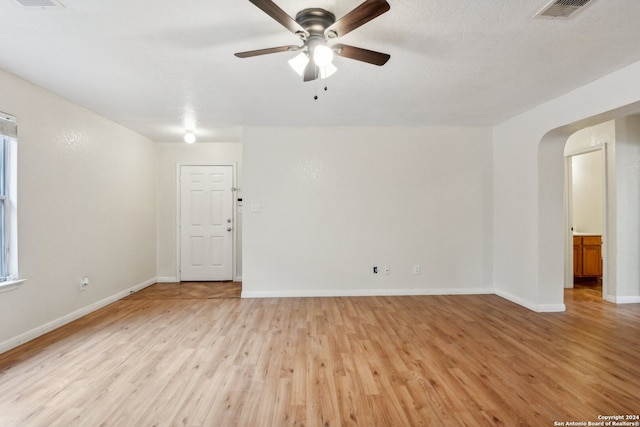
86	207
587	193
529	178
626	212
336	201
170	155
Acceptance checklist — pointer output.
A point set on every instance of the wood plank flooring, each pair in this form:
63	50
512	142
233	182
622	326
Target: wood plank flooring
183	357
190	290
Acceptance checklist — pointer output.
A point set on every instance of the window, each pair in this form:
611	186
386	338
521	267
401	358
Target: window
4	268
8	219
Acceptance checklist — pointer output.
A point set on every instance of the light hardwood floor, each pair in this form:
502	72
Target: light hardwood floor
193	355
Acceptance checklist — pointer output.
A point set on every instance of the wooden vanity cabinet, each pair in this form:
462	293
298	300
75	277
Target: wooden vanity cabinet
587	256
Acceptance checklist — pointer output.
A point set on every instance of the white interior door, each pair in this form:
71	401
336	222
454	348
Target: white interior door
206	223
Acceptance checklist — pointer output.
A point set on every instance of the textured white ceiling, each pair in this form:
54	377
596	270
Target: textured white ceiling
161	66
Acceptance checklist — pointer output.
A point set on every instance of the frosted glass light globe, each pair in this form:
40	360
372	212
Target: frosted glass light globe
189	138
322	55
299	63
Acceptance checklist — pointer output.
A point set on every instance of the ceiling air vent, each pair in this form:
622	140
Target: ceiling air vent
40	4
562	9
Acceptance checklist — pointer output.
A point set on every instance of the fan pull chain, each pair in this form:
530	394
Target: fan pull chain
316	95
316	86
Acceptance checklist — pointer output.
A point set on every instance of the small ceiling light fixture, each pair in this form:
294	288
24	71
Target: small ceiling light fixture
189	137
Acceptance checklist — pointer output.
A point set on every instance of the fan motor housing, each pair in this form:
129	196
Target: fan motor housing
315	20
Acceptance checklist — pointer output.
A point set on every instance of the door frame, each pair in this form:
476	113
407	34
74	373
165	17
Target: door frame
234	211
568	203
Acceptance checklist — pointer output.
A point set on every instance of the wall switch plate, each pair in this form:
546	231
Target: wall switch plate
416	269
84	283
256	208
386	270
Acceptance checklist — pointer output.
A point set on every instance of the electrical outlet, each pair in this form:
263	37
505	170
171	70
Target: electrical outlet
386	270
84	283
416	269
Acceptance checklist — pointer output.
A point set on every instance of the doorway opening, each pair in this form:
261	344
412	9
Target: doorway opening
586	209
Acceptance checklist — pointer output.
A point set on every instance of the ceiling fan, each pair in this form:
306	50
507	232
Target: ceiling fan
316	27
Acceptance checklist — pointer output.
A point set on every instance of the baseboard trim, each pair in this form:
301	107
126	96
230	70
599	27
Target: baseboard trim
68	318
551	308
364	292
634	299
539	308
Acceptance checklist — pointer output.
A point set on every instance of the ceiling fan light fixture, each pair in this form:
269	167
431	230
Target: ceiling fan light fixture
299	63
189	137
322	55
315	27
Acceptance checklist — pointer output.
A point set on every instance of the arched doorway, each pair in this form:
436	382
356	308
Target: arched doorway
622	272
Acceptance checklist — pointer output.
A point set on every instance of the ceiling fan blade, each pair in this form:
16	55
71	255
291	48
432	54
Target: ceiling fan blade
311	71
359	54
274	11
249	54
359	16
